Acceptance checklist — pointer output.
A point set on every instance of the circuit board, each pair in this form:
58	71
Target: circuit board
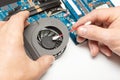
74	10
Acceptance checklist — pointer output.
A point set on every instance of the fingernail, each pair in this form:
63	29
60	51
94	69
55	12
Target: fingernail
107	54
92	51
27	12
80	40
94	54
82	31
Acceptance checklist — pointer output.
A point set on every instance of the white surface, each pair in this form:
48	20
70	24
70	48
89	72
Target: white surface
77	64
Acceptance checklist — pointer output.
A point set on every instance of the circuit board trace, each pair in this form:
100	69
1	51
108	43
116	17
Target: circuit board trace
74	10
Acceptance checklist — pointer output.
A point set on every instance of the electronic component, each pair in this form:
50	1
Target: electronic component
93	4
6	2
70	4
68	13
36	9
75	7
102	6
84	6
40	39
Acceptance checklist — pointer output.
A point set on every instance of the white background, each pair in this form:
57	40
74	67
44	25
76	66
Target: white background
77	64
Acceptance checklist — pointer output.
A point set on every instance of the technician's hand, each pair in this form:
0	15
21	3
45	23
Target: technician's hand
14	63
104	33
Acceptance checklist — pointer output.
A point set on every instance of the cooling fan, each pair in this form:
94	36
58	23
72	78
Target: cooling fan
47	36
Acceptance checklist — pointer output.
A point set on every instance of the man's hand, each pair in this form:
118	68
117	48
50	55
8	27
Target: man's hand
104	33
14	63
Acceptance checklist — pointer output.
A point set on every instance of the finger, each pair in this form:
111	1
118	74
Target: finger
2	23
80	39
105	50
26	24
43	63
95	16
17	22
94	49
95	33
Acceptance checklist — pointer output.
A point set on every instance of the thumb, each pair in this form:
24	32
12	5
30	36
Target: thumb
43	63
94	32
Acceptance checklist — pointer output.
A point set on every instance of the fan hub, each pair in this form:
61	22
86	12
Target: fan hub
48	43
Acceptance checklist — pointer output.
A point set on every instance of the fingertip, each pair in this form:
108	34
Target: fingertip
27	13
94	52
50	59
105	50
80	39
17	21
107	53
47	59
43	64
74	25
23	14
93	45
82	30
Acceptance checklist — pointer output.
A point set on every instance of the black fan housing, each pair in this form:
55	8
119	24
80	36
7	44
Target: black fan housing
39	41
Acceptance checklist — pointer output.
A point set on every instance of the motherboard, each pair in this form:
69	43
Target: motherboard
69	13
